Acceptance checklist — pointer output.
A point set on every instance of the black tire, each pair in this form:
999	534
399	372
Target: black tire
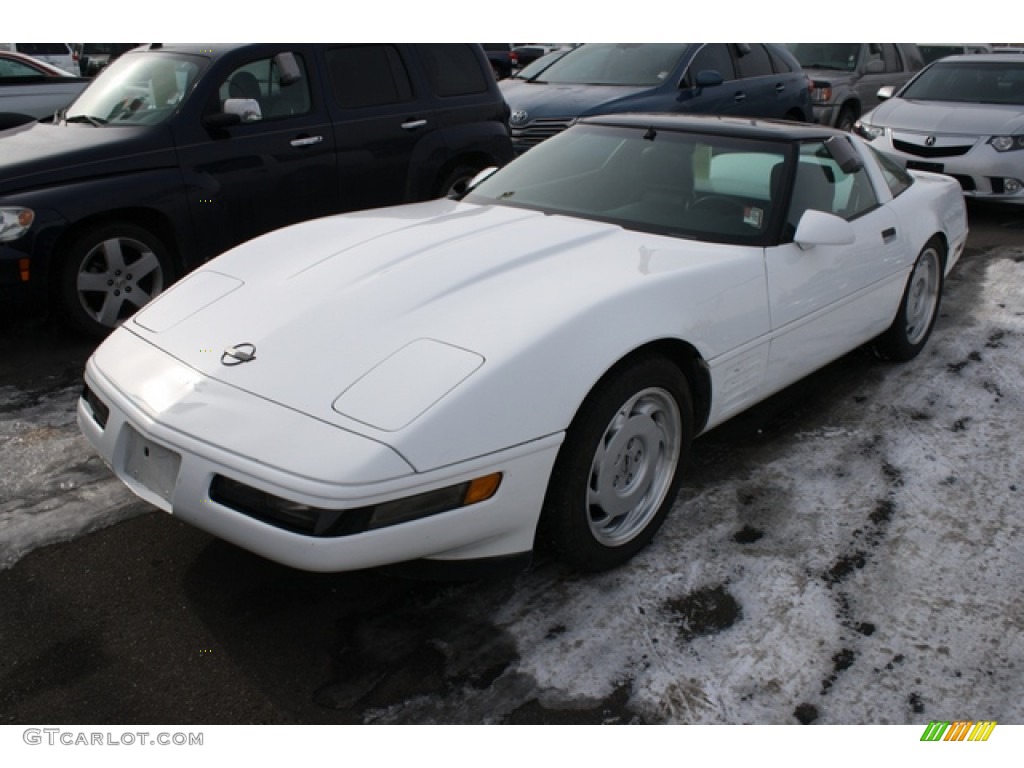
108	273
919	307
454	182
618	471
847	117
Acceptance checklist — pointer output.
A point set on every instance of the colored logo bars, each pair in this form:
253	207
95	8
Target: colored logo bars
958	730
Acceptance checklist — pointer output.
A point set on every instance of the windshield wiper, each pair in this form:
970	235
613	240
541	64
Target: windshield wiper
97	121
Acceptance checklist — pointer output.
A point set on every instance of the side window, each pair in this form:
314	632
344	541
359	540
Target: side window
278	85
891	57
13	68
753	61
822	186
895	176
368	76
711	56
453	69
779	64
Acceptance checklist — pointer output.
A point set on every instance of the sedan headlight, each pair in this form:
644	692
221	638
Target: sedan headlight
867	131
1006	143
15	222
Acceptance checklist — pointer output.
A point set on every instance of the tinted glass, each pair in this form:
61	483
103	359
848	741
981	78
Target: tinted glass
841	56
895	176
14	68
713	56
262	81
617	64
688	185
44	49
368	76
453	70
977	82
755	63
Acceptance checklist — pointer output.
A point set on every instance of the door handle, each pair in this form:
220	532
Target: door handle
780	88
889	234
412	125
740	96
306	141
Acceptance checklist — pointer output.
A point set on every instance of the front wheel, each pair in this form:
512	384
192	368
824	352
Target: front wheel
111	271
618	471
454	183
918	310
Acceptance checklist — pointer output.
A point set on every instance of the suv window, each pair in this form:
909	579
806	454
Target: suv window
44	49
453	69
891	56
262	81
368	76
711	56
755	62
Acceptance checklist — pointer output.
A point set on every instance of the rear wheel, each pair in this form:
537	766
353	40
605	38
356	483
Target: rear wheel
919	308
618	472
847	117
110	271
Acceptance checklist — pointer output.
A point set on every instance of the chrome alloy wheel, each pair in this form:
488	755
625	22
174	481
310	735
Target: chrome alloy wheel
633	466
923	295
117	276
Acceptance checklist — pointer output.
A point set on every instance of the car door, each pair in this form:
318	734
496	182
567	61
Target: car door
725	99
275	167
380	116
766	91
828	299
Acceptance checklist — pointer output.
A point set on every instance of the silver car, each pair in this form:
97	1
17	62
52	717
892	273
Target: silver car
962	116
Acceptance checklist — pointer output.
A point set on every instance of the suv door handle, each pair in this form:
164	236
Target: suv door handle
306	141
740	96
412	125
780	87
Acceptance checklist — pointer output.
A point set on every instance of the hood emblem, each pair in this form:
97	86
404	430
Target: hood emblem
930	141
238	354
519	117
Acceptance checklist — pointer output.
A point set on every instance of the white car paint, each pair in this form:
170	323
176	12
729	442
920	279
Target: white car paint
404	350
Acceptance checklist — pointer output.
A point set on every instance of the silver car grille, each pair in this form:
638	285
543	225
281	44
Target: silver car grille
536	131
932	146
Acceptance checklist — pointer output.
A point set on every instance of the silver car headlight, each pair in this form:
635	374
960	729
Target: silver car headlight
15	222
1006	143
867	131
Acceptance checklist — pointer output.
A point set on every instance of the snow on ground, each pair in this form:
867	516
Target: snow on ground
865	570
53	487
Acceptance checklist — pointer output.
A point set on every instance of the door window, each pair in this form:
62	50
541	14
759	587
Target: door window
277	84
754	62
711	56
368	76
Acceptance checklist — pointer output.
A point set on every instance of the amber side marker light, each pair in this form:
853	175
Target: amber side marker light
23	269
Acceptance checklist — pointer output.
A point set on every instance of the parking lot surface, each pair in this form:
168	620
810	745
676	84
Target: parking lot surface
848	552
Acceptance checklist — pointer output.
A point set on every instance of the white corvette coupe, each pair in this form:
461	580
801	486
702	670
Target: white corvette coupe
459	379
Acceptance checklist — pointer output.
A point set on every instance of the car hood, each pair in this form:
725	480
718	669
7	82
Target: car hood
38	154
557	100
369	320
947	117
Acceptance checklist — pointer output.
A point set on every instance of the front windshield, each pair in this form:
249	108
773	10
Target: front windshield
690	185
137	89
534	68
989	82
616	64
840	56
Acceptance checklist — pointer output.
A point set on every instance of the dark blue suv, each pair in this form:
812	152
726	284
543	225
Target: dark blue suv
744	79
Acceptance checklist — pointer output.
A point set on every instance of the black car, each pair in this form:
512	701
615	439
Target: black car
174	154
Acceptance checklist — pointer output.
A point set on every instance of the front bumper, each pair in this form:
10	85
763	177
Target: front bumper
168	433
982	172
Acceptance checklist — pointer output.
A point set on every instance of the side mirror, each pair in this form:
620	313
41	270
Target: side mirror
820	228
708	78
886	92
288	67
